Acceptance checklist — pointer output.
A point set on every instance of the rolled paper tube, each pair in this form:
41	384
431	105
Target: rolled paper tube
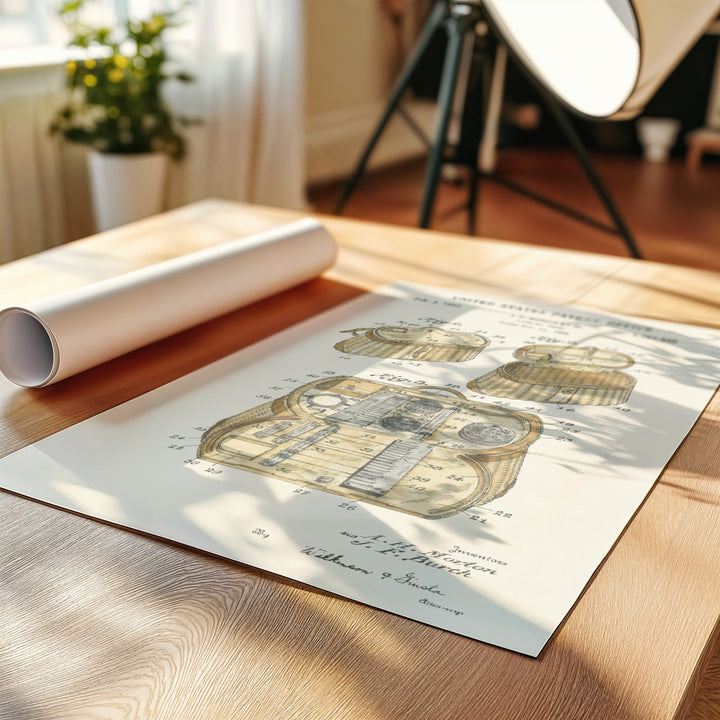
53	338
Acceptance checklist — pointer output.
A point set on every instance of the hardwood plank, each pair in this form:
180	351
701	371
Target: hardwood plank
673	213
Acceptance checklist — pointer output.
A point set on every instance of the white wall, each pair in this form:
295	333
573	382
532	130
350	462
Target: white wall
353	54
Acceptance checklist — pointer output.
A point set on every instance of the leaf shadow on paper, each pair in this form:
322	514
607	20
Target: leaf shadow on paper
309	628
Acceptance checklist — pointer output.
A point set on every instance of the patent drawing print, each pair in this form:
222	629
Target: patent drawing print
431	344
428	452
562	374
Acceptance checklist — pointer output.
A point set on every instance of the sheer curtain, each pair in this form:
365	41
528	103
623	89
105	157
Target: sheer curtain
32	204
248	60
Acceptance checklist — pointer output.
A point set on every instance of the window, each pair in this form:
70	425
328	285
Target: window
32	34
23	23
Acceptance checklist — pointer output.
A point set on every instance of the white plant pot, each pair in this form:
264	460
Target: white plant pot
657	135
126	187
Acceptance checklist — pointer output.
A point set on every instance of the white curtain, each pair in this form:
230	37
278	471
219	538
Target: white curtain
248	95
32	213
248	60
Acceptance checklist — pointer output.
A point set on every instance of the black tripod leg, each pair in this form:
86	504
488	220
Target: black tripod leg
473	192
456	27
577	145
434	21
483	89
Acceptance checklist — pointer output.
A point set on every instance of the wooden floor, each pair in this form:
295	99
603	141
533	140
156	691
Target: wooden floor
673	213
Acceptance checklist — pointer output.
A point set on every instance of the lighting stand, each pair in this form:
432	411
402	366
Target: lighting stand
460	18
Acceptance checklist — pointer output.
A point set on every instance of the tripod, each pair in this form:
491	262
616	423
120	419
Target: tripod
460	18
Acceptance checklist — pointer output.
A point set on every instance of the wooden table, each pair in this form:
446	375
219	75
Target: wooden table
98	622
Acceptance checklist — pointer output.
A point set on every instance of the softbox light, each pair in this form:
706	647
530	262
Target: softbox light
602	58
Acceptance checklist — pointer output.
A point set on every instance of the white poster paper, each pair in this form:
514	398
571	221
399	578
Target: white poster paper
50	339
460	460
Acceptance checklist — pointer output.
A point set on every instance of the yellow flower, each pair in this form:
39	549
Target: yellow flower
71	66
115	75
155	24
90	80
89	63
120	61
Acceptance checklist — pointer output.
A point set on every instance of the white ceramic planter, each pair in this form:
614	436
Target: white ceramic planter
126	187
657	135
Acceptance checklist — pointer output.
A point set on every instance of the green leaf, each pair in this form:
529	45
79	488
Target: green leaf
118	106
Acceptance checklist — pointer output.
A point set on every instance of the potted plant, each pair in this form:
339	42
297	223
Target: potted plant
115	106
